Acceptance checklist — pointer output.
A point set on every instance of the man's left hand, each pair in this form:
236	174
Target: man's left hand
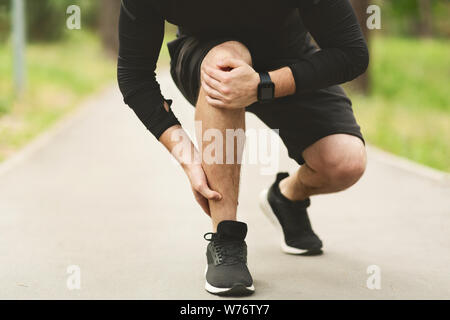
232	84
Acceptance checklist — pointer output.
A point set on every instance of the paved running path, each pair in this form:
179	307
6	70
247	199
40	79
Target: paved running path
104	195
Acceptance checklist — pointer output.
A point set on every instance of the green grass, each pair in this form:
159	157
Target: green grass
59	76
408	111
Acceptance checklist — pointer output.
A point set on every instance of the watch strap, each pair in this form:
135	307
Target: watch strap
265	78
264	85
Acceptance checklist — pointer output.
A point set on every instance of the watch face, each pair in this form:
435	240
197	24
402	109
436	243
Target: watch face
266	92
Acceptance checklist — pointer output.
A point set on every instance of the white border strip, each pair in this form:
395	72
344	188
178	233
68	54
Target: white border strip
408	165
47	136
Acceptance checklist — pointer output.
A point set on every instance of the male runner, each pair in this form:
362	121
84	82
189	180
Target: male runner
232	56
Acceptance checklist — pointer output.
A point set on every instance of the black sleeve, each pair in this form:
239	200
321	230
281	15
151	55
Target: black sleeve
344	54
141	32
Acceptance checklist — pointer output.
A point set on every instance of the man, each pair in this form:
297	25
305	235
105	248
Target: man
251	55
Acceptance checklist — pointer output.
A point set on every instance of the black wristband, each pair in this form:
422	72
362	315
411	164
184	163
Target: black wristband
266	88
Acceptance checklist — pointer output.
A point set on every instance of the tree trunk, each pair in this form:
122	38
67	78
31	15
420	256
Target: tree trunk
109	18
362	83
425	14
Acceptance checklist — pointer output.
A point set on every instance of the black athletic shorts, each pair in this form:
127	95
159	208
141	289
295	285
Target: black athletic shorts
301	119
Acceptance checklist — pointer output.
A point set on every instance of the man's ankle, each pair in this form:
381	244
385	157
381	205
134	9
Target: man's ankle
292	191
216	223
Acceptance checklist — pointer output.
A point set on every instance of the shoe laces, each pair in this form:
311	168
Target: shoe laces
228	251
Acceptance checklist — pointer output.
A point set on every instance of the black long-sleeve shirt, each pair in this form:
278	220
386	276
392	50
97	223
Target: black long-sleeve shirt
269	26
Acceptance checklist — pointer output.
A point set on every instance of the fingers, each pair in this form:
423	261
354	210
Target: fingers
229	89
231	63
213	83
217	74
203	202
199	183
222	73
203	194
215	91
209	194
215	102
211	92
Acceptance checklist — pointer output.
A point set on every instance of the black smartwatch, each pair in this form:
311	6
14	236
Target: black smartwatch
266	88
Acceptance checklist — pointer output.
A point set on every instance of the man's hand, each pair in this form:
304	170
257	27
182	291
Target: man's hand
200	188
231	84
176	140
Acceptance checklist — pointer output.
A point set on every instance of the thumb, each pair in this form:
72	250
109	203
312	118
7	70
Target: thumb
209	194
230	63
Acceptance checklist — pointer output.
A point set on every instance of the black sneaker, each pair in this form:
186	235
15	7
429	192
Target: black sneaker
227	273
297	236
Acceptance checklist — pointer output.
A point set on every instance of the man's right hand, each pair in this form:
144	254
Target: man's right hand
188	156
199	183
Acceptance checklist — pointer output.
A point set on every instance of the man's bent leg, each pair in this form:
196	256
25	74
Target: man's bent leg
223	177
332	164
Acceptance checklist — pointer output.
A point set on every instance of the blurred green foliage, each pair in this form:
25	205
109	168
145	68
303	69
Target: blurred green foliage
403	17
46	19
408	111
412	70
60	75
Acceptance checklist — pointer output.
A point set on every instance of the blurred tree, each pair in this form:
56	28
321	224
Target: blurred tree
5	20
417	17
46	19
426	19
362	83
109	17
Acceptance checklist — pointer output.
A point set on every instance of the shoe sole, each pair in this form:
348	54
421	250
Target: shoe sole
237	290
268	212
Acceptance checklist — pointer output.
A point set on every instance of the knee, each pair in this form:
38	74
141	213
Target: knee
344	167
228	49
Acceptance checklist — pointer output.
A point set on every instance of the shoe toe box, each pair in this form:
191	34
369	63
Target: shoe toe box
226	276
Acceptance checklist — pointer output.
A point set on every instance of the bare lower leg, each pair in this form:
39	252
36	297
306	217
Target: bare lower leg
223	178
304	183
333	164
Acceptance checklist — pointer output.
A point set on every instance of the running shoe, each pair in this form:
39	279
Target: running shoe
291	219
